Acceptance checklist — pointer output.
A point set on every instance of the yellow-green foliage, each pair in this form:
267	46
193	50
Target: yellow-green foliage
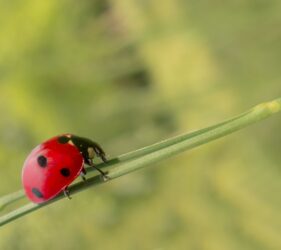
129	73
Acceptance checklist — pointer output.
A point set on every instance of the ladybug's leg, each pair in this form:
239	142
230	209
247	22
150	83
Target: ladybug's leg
83	173
100	153
67	193
104	174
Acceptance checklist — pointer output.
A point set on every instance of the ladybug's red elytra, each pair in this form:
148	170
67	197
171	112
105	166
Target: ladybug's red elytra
55	163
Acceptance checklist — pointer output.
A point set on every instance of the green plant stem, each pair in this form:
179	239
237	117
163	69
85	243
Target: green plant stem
4	201
143	157
10	198
129	156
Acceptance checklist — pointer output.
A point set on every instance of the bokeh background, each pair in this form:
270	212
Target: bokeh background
129	73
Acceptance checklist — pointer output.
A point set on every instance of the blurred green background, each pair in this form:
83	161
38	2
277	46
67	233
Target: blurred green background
131	73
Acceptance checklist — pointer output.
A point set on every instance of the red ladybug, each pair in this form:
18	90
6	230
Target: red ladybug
55	163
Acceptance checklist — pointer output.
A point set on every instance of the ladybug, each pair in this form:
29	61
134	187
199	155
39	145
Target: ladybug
54	164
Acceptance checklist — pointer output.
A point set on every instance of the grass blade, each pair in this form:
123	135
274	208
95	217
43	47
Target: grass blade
146	156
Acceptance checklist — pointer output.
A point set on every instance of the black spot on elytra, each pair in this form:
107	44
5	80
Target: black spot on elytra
37	193
42	161
63	139
65	172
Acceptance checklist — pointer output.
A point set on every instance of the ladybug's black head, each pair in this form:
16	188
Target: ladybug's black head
86	147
